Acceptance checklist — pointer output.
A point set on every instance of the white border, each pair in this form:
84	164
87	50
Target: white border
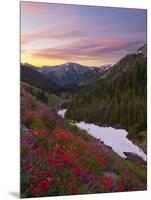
9	97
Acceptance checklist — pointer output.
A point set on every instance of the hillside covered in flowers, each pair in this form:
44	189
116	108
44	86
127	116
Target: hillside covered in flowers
57	158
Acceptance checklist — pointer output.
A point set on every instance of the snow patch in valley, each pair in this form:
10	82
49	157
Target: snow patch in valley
76	69
62	112
115	138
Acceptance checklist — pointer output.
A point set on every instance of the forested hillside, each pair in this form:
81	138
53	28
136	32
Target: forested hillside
31	76
119	99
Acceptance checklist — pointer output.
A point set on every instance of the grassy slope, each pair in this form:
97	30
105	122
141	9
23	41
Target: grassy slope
53	101
57	158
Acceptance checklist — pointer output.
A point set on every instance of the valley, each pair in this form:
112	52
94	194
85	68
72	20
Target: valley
83	99
89	123
114	138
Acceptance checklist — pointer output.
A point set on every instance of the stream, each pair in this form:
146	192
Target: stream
114	138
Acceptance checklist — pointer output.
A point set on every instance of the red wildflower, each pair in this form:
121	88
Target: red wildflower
52	161
62	135
65	183
31	116
58	149
71	179
121	186
35	192
72	189
58	166
66	159
43	186
77	171
107	183
28	166
37	172
40	132
50	176
36	181
102	161
39	151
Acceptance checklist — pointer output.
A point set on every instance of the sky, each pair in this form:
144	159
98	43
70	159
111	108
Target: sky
53	34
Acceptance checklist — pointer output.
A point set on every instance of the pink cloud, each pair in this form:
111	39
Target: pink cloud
25	40
66	28
32	8
88	50
49	34
107	42
95	43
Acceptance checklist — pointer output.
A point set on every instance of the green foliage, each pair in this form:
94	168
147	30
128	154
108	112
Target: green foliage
137	170
120	102
51	100
76	131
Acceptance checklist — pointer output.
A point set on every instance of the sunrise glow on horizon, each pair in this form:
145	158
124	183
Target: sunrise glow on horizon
53	34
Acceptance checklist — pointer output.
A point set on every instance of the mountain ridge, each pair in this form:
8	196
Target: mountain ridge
74	75
71	73
31	76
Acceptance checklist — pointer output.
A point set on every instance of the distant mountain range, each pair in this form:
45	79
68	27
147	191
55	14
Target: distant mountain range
73	75
65	76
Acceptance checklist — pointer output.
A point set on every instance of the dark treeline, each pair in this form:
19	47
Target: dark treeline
119	102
